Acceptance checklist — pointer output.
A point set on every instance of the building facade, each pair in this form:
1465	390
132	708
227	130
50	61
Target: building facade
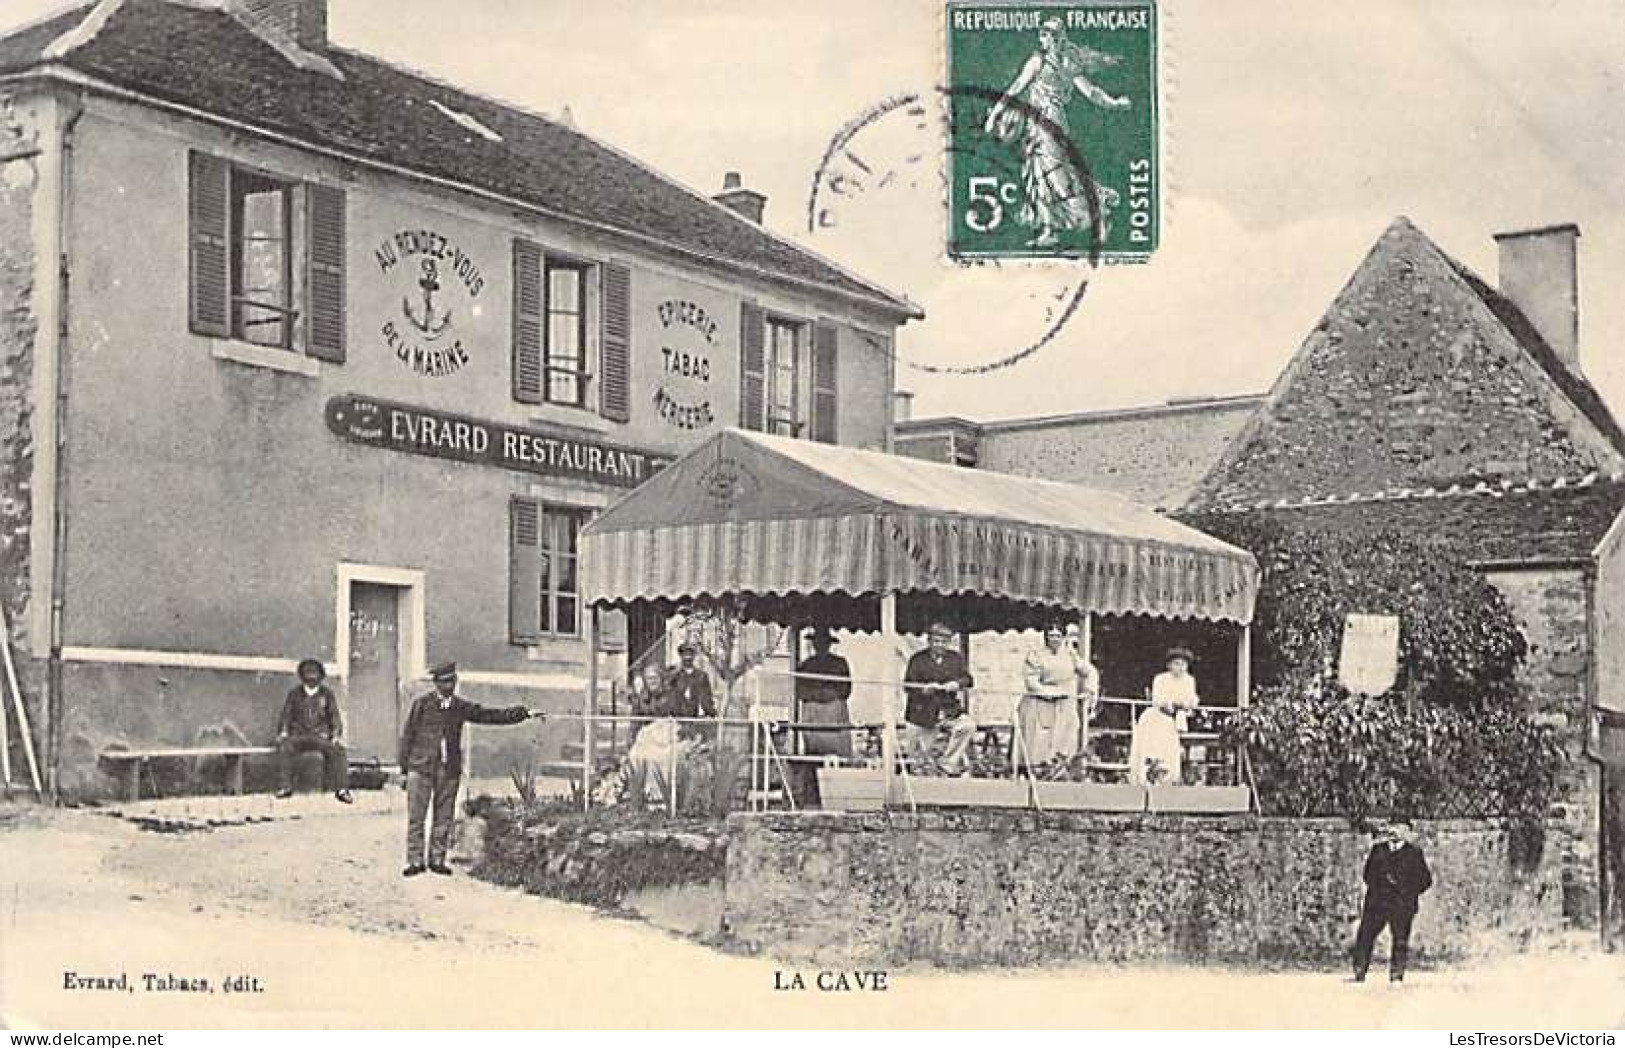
310	356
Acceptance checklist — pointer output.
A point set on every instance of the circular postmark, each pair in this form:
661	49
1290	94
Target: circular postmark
894	157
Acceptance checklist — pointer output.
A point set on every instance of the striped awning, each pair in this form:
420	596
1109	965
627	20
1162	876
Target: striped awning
748	514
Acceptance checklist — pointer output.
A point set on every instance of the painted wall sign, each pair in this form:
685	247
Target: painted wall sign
689	332
439	285
419	431
1369	662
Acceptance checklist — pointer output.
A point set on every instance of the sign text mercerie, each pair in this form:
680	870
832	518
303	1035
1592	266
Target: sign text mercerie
438	434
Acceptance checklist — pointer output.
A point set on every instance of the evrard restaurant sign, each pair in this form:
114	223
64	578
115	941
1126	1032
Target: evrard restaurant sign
437	434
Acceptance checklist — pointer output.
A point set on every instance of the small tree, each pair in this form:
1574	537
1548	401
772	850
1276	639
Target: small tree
719	629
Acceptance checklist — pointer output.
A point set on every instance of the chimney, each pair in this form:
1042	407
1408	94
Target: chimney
302	23
736	198
1540	275
902	405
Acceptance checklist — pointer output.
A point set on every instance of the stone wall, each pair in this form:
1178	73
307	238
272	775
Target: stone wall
1551	609
18	325
1008	888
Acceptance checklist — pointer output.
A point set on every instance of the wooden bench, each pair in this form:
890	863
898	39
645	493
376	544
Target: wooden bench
131	762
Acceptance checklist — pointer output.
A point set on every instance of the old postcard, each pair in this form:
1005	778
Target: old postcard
1099	514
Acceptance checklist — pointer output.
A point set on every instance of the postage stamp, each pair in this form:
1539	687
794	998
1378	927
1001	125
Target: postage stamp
1064	95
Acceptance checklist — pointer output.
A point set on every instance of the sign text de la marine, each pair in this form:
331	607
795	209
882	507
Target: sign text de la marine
438	434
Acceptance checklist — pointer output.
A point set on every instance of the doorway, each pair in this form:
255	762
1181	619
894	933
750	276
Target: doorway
372	721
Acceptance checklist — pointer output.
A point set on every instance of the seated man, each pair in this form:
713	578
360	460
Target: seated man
311	721
937	682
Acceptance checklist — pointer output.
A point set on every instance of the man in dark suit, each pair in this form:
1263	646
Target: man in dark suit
432	760
311	721
1396	875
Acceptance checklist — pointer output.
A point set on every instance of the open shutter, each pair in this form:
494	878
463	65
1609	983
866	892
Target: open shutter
752	368
826	343
527	322
209	213
524	570
615	386
325	335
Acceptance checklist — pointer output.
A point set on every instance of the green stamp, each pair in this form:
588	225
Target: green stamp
1053	136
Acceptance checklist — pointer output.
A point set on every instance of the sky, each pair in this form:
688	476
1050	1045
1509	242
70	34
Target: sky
1293	133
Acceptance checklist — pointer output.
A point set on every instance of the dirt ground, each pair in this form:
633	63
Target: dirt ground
314	909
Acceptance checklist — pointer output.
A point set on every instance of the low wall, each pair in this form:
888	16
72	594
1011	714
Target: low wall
1008	888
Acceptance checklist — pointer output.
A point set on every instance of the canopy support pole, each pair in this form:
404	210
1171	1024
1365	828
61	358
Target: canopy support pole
888	731
1244	668
589	722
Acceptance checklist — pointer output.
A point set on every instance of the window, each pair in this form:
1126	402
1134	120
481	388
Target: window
262	310
559	596
566	333
783	370
544	597
267	259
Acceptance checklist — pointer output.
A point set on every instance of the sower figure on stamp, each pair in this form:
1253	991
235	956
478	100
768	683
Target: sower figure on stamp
937	681
1056	199
432	760
1396	875
311	721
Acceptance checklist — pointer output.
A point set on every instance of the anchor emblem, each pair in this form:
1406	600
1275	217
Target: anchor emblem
430	324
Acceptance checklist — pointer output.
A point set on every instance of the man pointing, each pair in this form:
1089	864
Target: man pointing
432	760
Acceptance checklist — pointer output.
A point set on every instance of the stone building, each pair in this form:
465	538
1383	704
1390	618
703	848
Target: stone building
1154	455
1425	400
306	354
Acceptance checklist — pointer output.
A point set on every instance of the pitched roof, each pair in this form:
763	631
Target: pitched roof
1418	374
204	59
1487	523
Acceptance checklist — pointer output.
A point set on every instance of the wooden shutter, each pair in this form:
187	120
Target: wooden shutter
209	213
527	322
524	570
325	244
826	343
615	347
752	367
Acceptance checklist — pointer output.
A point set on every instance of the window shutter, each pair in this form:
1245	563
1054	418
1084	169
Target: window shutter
524	570
210	217
527	322
615	387
826	343
752	368
325	334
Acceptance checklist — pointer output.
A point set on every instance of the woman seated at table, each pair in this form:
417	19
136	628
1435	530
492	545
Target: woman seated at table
1155	754
1047	716
652	757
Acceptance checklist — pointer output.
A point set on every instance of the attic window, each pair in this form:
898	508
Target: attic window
466	122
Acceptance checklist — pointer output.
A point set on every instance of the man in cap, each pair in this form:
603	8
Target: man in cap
688	693
431	758
823	684
1396	874
311	721
937	681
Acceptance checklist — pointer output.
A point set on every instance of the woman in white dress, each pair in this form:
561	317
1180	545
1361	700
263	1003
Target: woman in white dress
1155	754
1047	716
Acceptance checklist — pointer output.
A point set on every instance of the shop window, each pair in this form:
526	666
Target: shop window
544	595
267	259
